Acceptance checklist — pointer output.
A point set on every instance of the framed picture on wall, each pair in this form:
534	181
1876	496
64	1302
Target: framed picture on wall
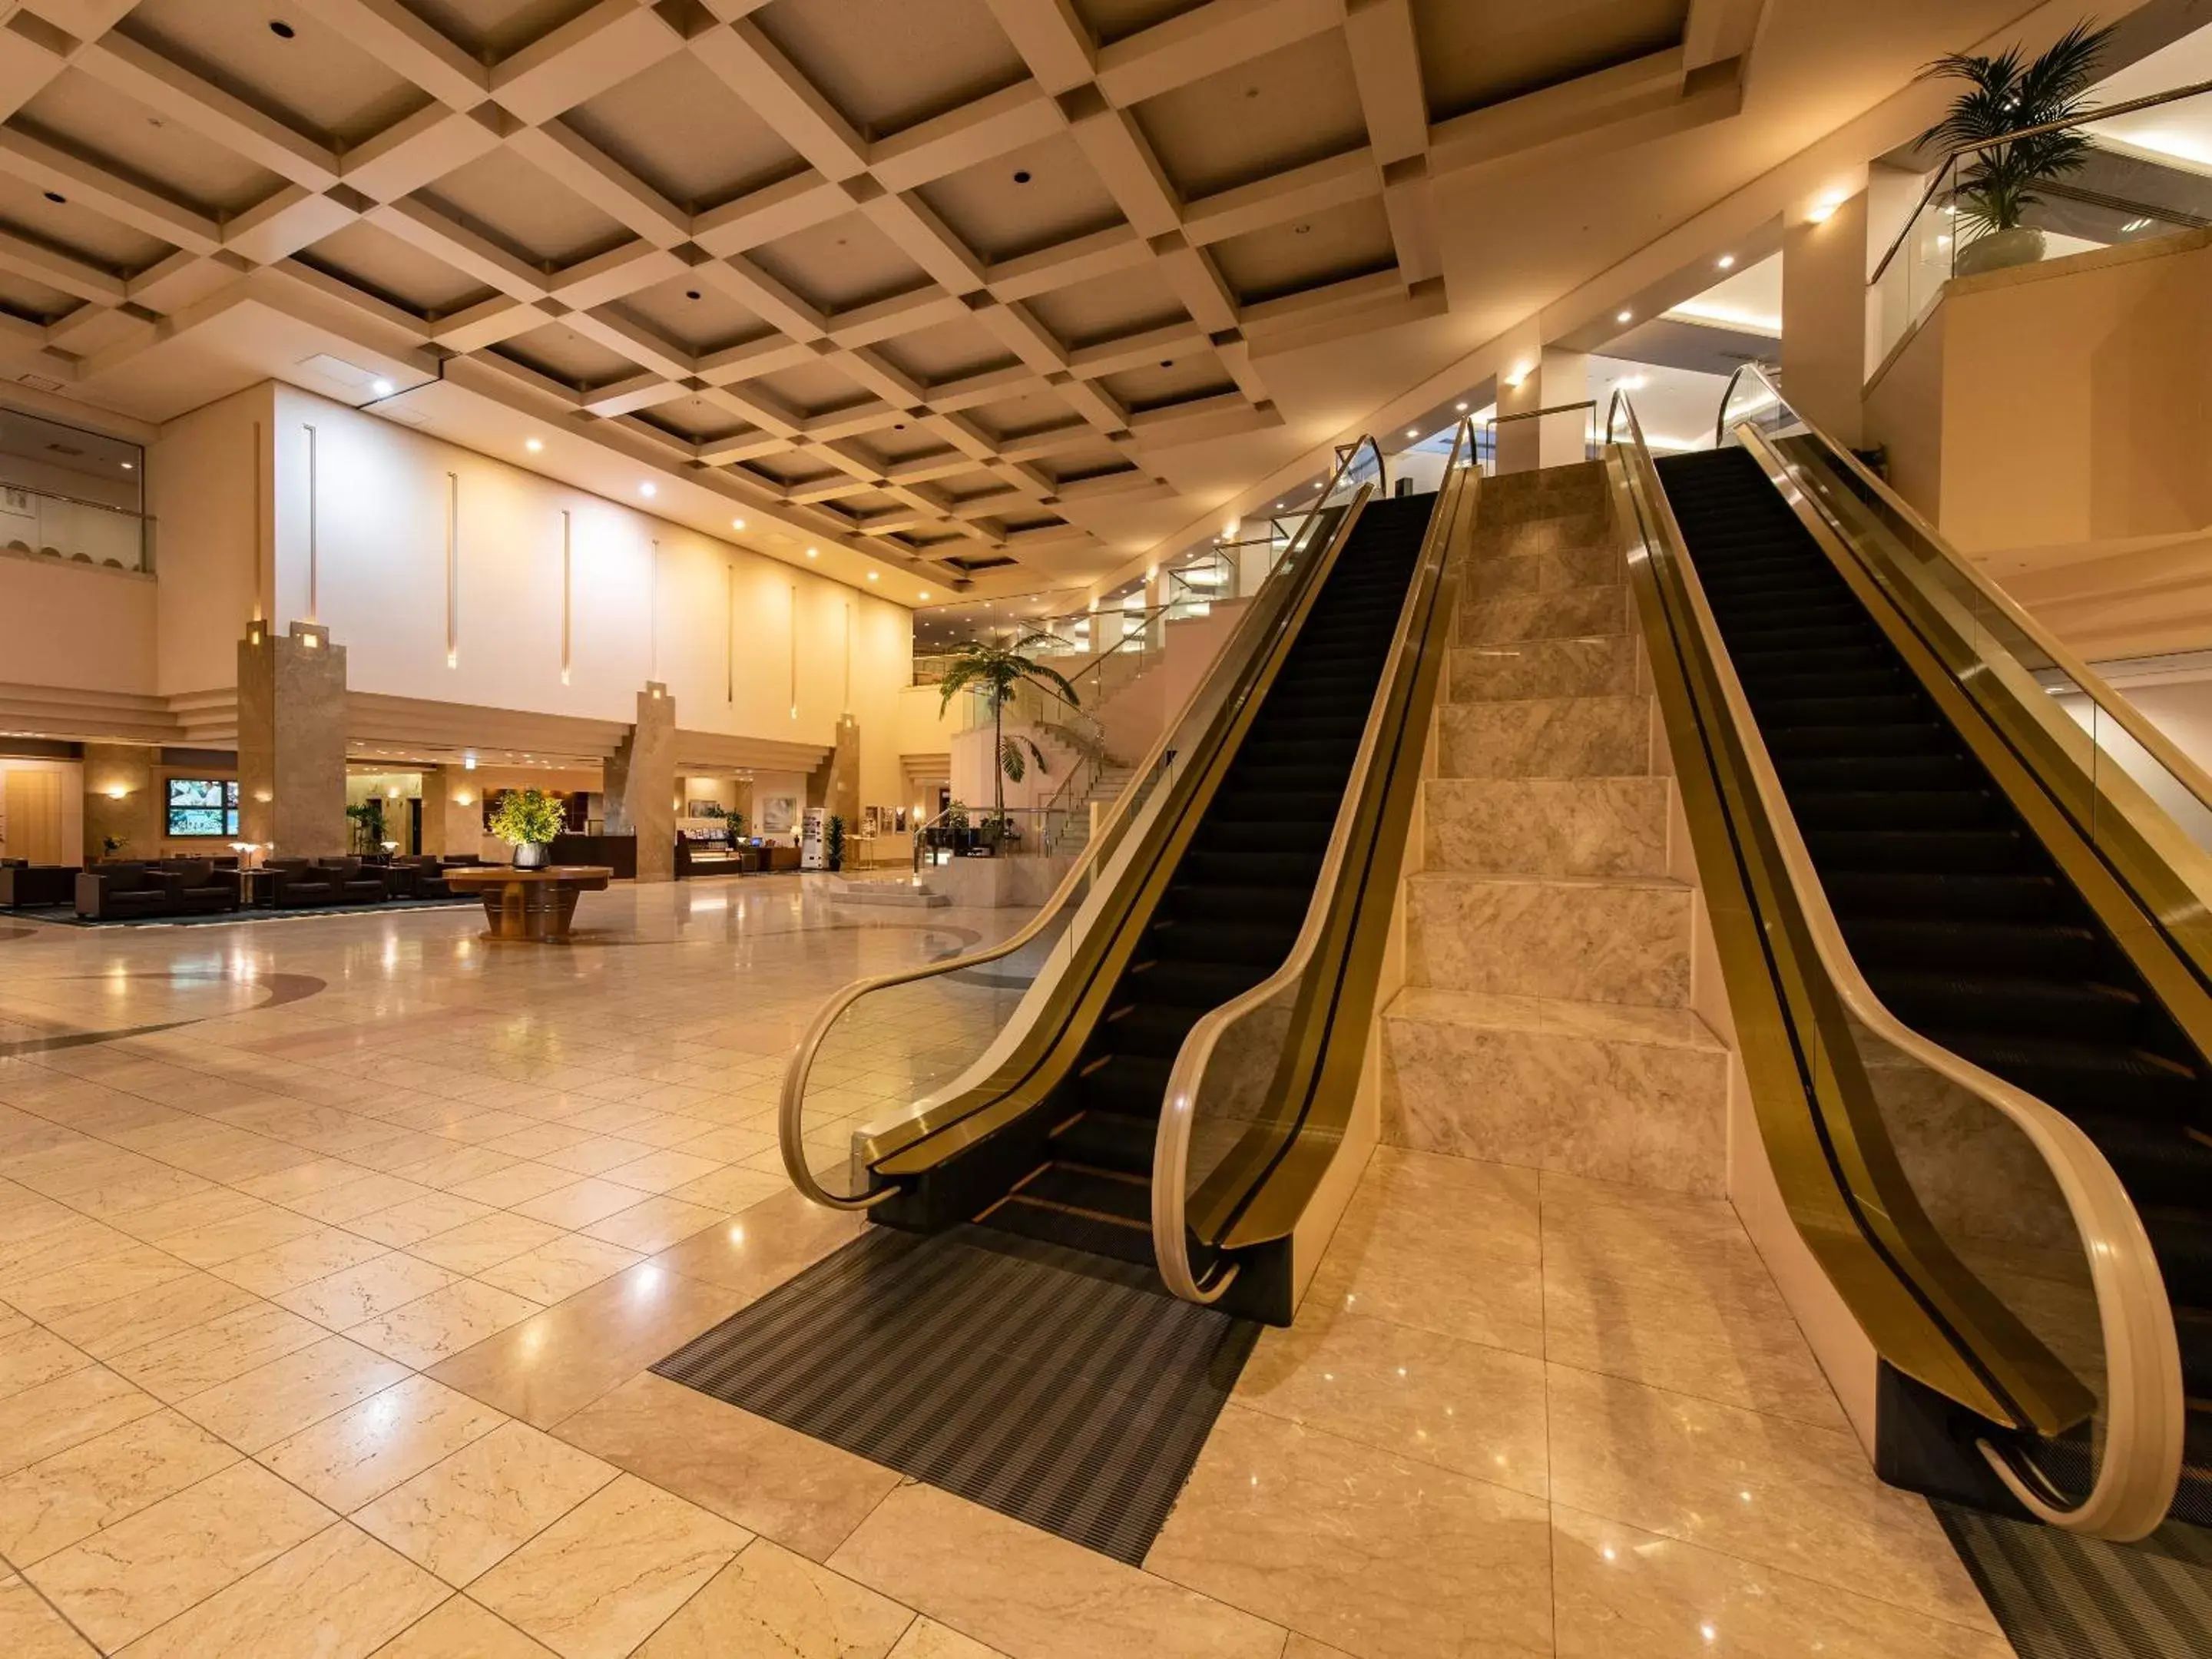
702	808
779	814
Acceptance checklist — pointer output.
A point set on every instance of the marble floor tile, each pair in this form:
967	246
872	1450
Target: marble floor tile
31	1356
367	1449
185	1215
356	1295
655	1224
168	1310
76	1242
663	1170
340	1595
417	1218
580	1203
769	1243
1622	1594
607	1574
437	1326
256	1409
324	1251
69	1496
485	1243
1435	1399
1773	1491
462	1629
560	1360
260	1230
926	1639
30	1629
596	1155
54	1416
367	1194
227	1346
1374	1553
1032	1596
516	1184
555	1272
804	1493
72	1290
771	1603
145	1570
467	1513
735	1189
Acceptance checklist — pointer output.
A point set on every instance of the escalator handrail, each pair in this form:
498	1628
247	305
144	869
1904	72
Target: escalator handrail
2110	703
2146	1408
791	1103
1171	1148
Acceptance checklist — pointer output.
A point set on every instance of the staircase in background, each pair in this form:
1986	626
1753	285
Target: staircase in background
1106	787
1546	1020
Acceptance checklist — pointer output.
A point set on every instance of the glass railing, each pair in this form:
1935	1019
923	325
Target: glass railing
74	531
891	1061
1979	1237
2144	175
1579	419
1250	1071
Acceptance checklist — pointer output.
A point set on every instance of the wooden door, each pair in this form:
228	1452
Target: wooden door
35	817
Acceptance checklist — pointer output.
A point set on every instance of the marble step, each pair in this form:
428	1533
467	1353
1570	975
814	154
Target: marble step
1615	939
1563	613
1596	1090
1492	575
1577	490
1545	738
1604	667
1547	826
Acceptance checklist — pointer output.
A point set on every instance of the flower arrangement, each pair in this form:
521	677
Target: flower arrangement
528	820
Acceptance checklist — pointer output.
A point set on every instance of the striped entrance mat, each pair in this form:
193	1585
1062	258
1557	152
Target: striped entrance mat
2062	1597
1061	1388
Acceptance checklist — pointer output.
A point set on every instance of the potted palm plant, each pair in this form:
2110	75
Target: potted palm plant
2004	96
998	670
528	820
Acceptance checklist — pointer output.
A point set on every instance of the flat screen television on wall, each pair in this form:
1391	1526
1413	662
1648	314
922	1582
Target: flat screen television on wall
202	806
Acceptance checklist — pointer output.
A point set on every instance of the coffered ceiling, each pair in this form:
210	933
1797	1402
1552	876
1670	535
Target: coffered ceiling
975	286
955	280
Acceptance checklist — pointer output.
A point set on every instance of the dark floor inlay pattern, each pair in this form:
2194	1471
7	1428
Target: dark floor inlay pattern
1061	1388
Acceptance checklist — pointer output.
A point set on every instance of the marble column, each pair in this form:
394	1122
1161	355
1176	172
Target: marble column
438	811
291	740
642	784
122	798
1824	312
842	796
1548	378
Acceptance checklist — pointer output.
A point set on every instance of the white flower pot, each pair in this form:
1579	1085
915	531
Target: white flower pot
2000	250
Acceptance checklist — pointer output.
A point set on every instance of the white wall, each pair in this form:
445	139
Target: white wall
80	626
723	627
200	487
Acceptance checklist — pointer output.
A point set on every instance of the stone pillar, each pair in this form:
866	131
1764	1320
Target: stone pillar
291	740
842	794
437	809
122	798
1824	312
642	784
1548	378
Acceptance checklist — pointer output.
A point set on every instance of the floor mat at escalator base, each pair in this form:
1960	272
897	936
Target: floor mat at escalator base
1061	1390
2059	1596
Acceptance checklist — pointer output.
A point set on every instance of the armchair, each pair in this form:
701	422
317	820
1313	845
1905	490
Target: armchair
114	891
356	883
294	883
199	890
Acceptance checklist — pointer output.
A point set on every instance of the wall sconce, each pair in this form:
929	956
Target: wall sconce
1824	210
116	791
308	641
1519	376
464	798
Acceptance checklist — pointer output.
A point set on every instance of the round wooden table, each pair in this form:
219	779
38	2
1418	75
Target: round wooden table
529	904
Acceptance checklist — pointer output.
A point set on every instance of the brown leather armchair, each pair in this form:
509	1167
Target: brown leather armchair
357	883
295	884
114	891
23	885
199	890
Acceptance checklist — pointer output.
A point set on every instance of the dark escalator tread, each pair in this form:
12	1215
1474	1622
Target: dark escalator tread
2000	948
1193	984
2182	1238
1954	894
1094	1192
1887	774
2193	1327
1857	741
2160	1161
2076	1077
1147	1027
1130	1085
1107	1140
1928	849
1051	1225
1985	1001
1909	809
1260	945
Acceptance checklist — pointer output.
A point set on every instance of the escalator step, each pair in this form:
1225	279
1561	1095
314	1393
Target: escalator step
1783	713
2082	1009
1107	1140
1261	944
2182	1238
1911	809
2008	946
1129	1085
2193	1326
1925	849
1890	773
1200	985
1099	1192
2158	1161
1955	895
2078	1077
1855	741
1121	1241
1156	1029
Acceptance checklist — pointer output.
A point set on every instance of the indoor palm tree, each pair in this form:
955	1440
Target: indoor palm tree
2004	96
997	671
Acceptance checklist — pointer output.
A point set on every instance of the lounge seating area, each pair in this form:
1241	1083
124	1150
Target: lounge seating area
114	892
24	885
129	891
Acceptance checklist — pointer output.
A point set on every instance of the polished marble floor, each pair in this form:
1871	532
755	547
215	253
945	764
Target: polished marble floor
333	1253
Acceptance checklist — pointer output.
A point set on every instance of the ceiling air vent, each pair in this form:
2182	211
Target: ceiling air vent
38	382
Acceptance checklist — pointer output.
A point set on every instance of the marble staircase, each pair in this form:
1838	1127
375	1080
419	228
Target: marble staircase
1546	1016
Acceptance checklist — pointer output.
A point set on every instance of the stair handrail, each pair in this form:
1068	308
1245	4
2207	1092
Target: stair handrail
1171	1145
2146	1407
2184	771
791	1100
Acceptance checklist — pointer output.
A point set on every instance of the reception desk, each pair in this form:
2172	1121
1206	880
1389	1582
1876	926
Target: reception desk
617	853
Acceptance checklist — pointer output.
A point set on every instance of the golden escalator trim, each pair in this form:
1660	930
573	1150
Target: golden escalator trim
1256	1194
2122	852
1052	1045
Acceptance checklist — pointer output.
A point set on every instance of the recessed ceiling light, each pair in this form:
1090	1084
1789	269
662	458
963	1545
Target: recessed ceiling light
648	489
382	387
1622	316
737	524
1413	432
130	466
925	593
872	575
1461	407
533	445
812	551
1725	261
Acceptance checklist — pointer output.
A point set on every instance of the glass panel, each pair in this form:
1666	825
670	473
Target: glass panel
61	527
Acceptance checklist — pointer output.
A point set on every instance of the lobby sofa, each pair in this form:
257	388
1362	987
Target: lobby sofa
199	890
356	883
23	884
297	883
111	891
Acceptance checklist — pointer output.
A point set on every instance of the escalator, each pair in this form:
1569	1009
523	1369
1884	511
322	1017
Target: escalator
1232	903
1962	920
